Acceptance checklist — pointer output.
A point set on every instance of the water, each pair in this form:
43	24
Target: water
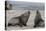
26	5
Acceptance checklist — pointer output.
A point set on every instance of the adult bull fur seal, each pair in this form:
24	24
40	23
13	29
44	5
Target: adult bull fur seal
22	20
39	22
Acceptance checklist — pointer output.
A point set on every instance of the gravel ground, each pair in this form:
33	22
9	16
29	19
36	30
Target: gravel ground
14	13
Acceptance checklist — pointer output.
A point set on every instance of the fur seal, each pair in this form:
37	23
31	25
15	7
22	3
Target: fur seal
38	20
22	20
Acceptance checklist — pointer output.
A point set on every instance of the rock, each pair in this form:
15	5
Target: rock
20	20
39	22
8	6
